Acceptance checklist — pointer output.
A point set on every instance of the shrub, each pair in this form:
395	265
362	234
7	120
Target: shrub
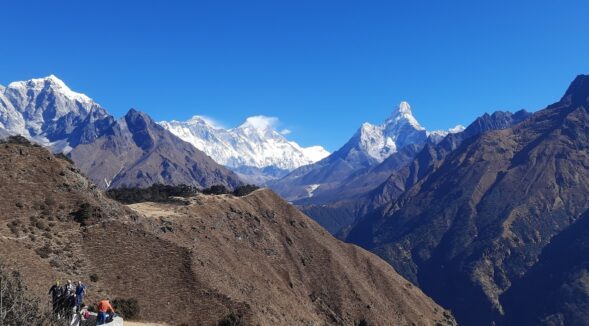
245	190
18	308
83	214
233	319
18	139
154	193
127	308
363	322
216	190
64	157
44	251
94	278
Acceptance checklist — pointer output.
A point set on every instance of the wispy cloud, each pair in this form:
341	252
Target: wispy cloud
285	132
262	121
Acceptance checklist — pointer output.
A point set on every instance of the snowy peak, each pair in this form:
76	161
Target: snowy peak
255	143
49	83
403	114
261	128
44	109
436	136
380	141
200	120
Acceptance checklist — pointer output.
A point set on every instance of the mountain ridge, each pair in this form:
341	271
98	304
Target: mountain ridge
254	146
470	229
133	150
368	147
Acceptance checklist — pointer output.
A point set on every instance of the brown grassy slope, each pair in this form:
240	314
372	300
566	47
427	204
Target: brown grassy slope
40	238
261	251
256	256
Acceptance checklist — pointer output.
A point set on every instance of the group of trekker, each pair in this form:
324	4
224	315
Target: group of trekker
68	303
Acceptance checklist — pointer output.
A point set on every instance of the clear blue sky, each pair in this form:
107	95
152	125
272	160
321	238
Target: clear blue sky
321	67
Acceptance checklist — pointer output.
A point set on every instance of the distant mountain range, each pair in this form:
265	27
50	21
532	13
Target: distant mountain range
494	226
47	111
489	220
255	150
132	151
370	146
366	190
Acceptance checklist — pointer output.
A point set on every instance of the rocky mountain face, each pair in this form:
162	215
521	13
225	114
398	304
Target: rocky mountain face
254	149
432	155
137	152
339	208
46	110
206	260
493	231
132	151
370	146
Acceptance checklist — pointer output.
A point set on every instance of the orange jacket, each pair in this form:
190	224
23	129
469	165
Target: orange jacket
104	306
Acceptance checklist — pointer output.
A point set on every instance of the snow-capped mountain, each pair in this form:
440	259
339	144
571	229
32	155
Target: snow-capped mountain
132	151
370	146
437	136
380	141
46	110
253	144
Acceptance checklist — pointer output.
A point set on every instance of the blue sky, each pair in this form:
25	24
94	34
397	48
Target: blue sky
321	67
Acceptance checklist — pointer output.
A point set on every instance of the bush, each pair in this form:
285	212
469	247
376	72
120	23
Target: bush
44	251
94	278
216	190
64	157
245	190
18	139
155	193
363	322
233	319
127	308
17	307
83	214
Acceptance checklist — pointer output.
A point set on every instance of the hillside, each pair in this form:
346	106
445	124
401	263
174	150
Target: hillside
195	263
492	215
137	152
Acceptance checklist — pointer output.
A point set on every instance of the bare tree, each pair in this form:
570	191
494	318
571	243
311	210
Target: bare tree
17	306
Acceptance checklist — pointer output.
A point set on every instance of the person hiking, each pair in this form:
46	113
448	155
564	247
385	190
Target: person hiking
67	304
56	292
70	289
105	310
80	293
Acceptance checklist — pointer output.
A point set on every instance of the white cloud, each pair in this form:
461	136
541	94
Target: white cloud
285	132
262	122
457	129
